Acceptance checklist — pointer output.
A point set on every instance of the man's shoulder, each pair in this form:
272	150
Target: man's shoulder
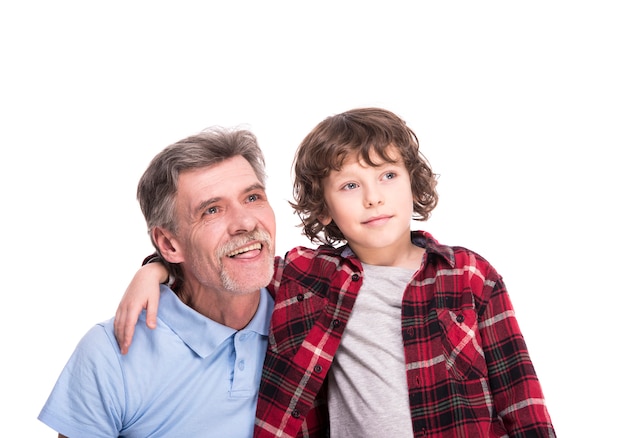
100	339
97	346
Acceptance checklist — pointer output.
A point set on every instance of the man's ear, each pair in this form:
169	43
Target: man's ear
168	245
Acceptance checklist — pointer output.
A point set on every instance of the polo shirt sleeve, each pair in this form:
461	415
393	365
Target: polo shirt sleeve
88	397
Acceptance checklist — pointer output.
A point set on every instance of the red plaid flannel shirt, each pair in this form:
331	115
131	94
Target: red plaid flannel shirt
467	364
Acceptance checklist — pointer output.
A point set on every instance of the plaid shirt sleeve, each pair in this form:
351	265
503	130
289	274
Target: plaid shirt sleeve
517	395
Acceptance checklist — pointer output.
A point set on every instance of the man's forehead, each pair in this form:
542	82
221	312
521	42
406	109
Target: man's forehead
227	178
235	167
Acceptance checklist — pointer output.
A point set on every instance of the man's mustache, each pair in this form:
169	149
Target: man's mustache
242	240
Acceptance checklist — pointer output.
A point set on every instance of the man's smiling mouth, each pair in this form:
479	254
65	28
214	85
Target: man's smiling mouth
252	247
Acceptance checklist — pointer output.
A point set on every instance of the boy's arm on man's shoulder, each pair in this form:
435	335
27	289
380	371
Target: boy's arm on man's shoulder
143	292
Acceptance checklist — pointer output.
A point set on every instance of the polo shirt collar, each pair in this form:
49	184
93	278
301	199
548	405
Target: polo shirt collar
201	334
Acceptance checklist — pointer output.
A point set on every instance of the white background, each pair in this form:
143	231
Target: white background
519	106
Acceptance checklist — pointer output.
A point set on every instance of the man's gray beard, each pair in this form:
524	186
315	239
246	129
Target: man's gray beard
231	285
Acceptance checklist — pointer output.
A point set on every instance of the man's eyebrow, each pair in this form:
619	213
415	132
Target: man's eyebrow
255	186
205	204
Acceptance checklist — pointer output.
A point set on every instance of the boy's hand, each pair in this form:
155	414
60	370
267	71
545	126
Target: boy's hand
143	292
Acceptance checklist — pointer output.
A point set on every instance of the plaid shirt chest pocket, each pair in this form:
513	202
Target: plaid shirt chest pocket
462	349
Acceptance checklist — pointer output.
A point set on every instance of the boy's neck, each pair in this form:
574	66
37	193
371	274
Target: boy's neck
409	256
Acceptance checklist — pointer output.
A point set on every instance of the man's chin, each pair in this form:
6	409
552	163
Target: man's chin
242	284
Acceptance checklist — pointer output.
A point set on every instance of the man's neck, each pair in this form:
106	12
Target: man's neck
234	311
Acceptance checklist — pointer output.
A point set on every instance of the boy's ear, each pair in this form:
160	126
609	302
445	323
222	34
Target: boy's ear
168	245
325	219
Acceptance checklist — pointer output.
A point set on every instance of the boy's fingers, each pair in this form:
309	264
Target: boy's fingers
127	334
151	312
124	325
119	328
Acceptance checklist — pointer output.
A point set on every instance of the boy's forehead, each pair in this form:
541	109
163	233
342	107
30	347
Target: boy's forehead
366	155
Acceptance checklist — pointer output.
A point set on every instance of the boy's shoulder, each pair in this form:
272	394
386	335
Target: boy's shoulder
322	260
322	251
454	255
326	257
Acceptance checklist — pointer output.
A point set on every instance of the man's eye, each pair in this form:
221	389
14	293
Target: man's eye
211	210
253	198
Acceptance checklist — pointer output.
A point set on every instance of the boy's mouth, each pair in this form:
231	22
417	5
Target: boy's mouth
377	219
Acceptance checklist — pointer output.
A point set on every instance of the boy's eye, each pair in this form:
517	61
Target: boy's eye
350	186
390	175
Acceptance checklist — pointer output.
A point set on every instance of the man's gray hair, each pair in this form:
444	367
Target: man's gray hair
158	185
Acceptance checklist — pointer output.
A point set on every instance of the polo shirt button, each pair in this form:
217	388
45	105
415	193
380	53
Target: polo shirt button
317	368
355	277
460	318
336	323
300	297
295	413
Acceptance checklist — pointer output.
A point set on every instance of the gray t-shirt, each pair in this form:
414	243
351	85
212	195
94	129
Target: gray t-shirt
368	392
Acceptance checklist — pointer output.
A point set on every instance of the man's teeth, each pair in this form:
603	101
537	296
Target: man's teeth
244	249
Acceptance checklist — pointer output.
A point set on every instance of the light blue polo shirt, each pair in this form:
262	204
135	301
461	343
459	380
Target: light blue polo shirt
189	377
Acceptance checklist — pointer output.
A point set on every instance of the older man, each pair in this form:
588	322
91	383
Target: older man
207	213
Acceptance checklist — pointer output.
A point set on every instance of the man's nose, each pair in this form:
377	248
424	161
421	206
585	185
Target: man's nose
241	220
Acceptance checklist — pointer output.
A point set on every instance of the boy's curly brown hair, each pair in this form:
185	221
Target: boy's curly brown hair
368	132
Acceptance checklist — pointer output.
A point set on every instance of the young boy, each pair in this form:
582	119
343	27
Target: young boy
431	347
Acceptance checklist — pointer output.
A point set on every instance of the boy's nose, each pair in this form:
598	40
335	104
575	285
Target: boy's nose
373	198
